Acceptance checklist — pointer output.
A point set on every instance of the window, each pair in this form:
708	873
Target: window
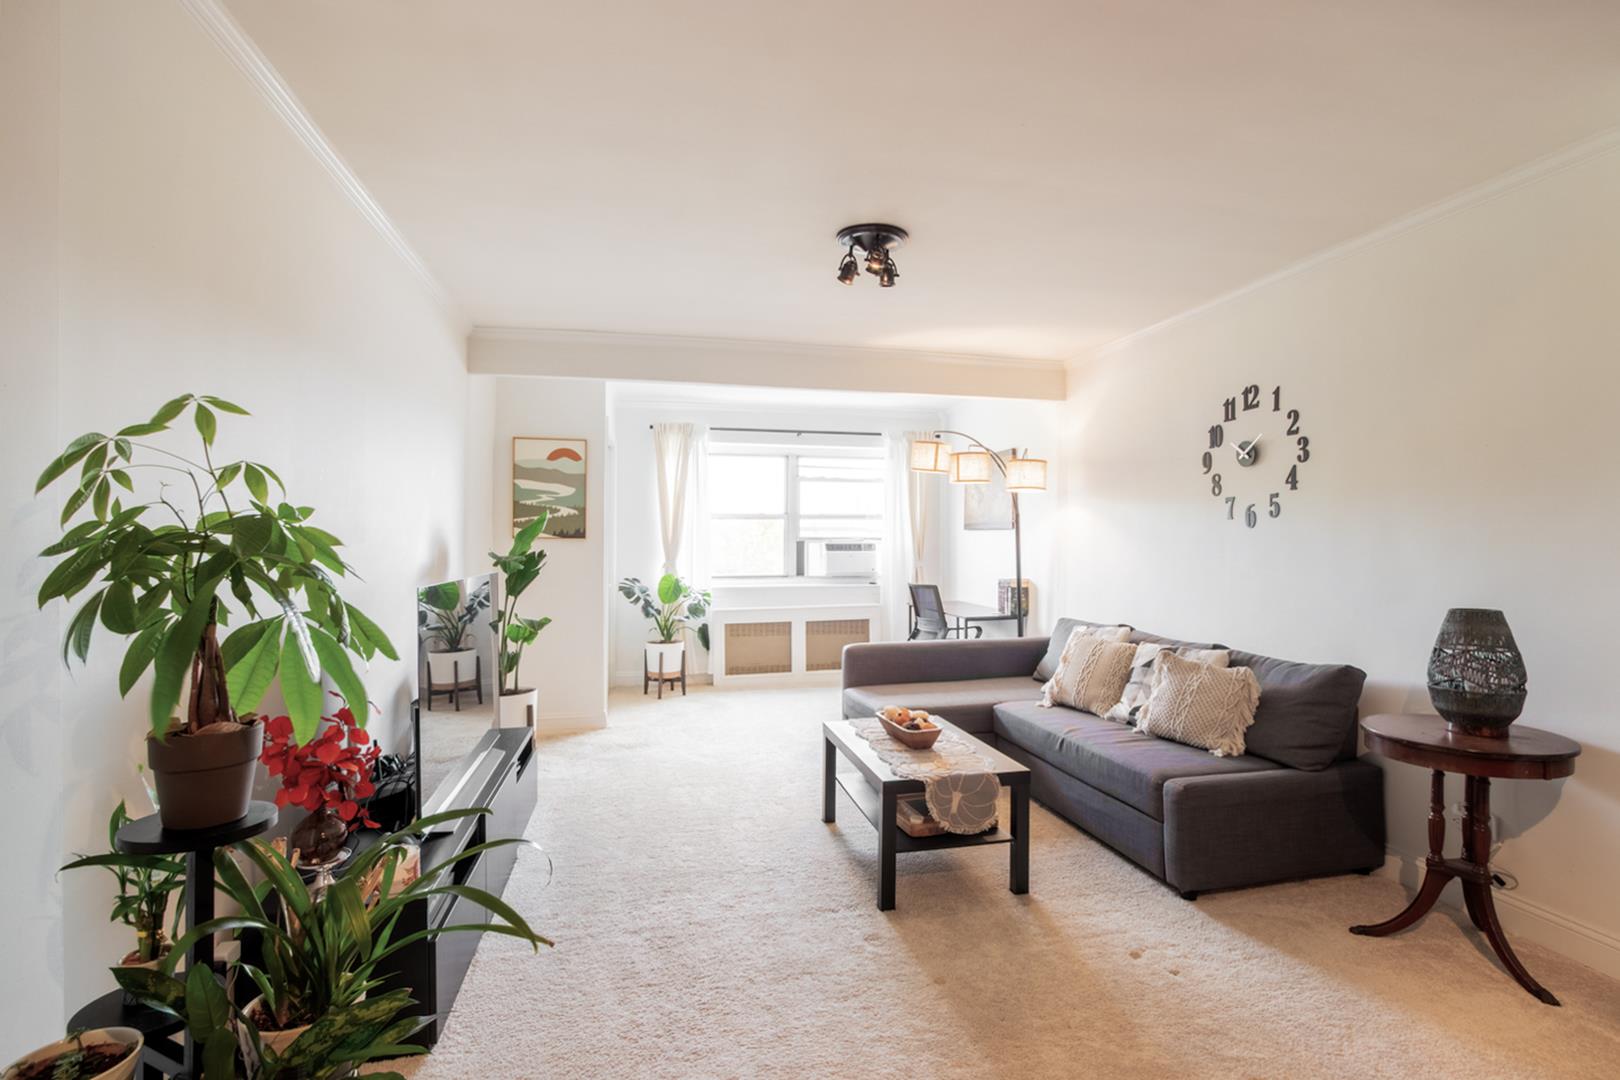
812	513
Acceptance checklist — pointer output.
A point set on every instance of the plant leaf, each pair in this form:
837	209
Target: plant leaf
372	631
171	409
75	452
255	482
80	629
336	664
206	424
250	676
135	431
118	607
225	406
139	655
301	690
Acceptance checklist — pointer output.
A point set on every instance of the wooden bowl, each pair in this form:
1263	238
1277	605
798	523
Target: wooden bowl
917	740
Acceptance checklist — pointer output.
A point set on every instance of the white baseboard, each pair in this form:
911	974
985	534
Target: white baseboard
1523	918
560	723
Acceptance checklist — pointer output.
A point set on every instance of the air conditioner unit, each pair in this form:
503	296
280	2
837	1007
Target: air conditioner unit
838	558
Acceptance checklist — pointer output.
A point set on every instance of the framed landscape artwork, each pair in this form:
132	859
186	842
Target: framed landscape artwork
988	506
549	474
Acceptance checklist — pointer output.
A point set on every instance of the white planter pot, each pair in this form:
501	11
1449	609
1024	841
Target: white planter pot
515	708
447	668
121	1071
666	653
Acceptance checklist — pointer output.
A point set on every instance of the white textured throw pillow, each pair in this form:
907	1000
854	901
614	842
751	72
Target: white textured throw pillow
1091	674
1201	705
1132	704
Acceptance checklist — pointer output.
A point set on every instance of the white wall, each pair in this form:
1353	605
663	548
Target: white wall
31	737
1458	382
201	248
636	548
569	661
978	559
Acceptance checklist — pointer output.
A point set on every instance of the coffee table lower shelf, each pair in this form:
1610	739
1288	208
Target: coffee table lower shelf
876	792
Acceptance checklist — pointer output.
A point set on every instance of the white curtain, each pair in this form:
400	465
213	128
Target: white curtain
672	454
905	531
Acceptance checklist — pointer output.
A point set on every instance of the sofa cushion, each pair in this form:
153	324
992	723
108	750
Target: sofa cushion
1060	638
965	703
1119	761
1307	713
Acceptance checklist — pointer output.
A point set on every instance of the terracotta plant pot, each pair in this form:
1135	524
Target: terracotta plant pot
205	780
121	1036
515	705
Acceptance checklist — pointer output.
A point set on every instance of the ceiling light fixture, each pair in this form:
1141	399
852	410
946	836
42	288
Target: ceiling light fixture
877	241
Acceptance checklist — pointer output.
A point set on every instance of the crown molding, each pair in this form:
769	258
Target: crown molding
1532	172
751	347
263	77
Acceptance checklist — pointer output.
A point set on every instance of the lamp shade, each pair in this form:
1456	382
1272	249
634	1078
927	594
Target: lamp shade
1026	474
930	456
971	467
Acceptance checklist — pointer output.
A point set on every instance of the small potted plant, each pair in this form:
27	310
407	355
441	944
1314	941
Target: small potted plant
673	608
519	567
167	569
146	887
329	776
321	947
447	616
102	1054
232	1047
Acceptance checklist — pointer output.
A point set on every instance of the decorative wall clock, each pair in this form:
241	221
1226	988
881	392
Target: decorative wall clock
1255	454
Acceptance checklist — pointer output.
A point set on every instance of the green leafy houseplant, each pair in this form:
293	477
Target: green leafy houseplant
168	578
448	615
519	567
145	886
230	1045
321	951
673	607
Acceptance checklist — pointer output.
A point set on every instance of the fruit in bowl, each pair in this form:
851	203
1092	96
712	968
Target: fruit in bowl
912	727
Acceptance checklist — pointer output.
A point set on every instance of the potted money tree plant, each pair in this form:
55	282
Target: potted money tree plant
164	546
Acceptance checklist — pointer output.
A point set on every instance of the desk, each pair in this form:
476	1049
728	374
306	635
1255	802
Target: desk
1526	753
962	614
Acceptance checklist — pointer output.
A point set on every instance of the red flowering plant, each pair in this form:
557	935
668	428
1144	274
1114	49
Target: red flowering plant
332	770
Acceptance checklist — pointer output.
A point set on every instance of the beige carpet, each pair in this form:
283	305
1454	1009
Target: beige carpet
709	925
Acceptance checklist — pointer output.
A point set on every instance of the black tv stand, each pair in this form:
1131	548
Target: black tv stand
494	774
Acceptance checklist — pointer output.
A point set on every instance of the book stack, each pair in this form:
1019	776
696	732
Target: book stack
1004	597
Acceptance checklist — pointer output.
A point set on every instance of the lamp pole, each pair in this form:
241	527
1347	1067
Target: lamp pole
1017	524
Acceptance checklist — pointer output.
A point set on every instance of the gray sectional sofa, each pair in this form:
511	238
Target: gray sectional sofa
1298	804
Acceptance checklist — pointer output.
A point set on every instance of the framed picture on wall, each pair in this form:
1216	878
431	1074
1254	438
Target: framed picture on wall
549	474
988	506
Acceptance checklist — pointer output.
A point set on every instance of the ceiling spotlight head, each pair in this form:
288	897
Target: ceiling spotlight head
877	241
848	270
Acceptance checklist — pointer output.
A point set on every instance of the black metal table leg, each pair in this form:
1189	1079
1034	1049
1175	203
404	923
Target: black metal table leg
1018	875
887	827
829	783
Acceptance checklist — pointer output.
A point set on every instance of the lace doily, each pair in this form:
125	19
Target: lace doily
958	782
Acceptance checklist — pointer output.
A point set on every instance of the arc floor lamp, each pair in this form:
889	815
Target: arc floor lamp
977	465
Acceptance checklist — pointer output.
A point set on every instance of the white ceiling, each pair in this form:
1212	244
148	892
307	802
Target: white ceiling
1071	170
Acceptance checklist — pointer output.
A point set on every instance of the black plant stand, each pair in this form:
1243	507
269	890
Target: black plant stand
147	836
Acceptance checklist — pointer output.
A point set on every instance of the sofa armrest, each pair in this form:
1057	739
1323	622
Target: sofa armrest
880	663
1239	829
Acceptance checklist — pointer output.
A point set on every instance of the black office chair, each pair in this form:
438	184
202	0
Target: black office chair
929	622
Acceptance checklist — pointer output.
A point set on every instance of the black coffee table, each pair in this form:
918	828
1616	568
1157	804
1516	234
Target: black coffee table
876	791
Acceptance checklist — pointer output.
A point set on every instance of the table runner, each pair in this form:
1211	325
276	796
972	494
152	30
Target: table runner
959	783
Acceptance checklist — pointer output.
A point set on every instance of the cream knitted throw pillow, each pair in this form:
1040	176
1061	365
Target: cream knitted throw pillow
1201	705
1092	673
1132	704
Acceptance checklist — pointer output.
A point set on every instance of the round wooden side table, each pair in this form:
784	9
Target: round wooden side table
1428	741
